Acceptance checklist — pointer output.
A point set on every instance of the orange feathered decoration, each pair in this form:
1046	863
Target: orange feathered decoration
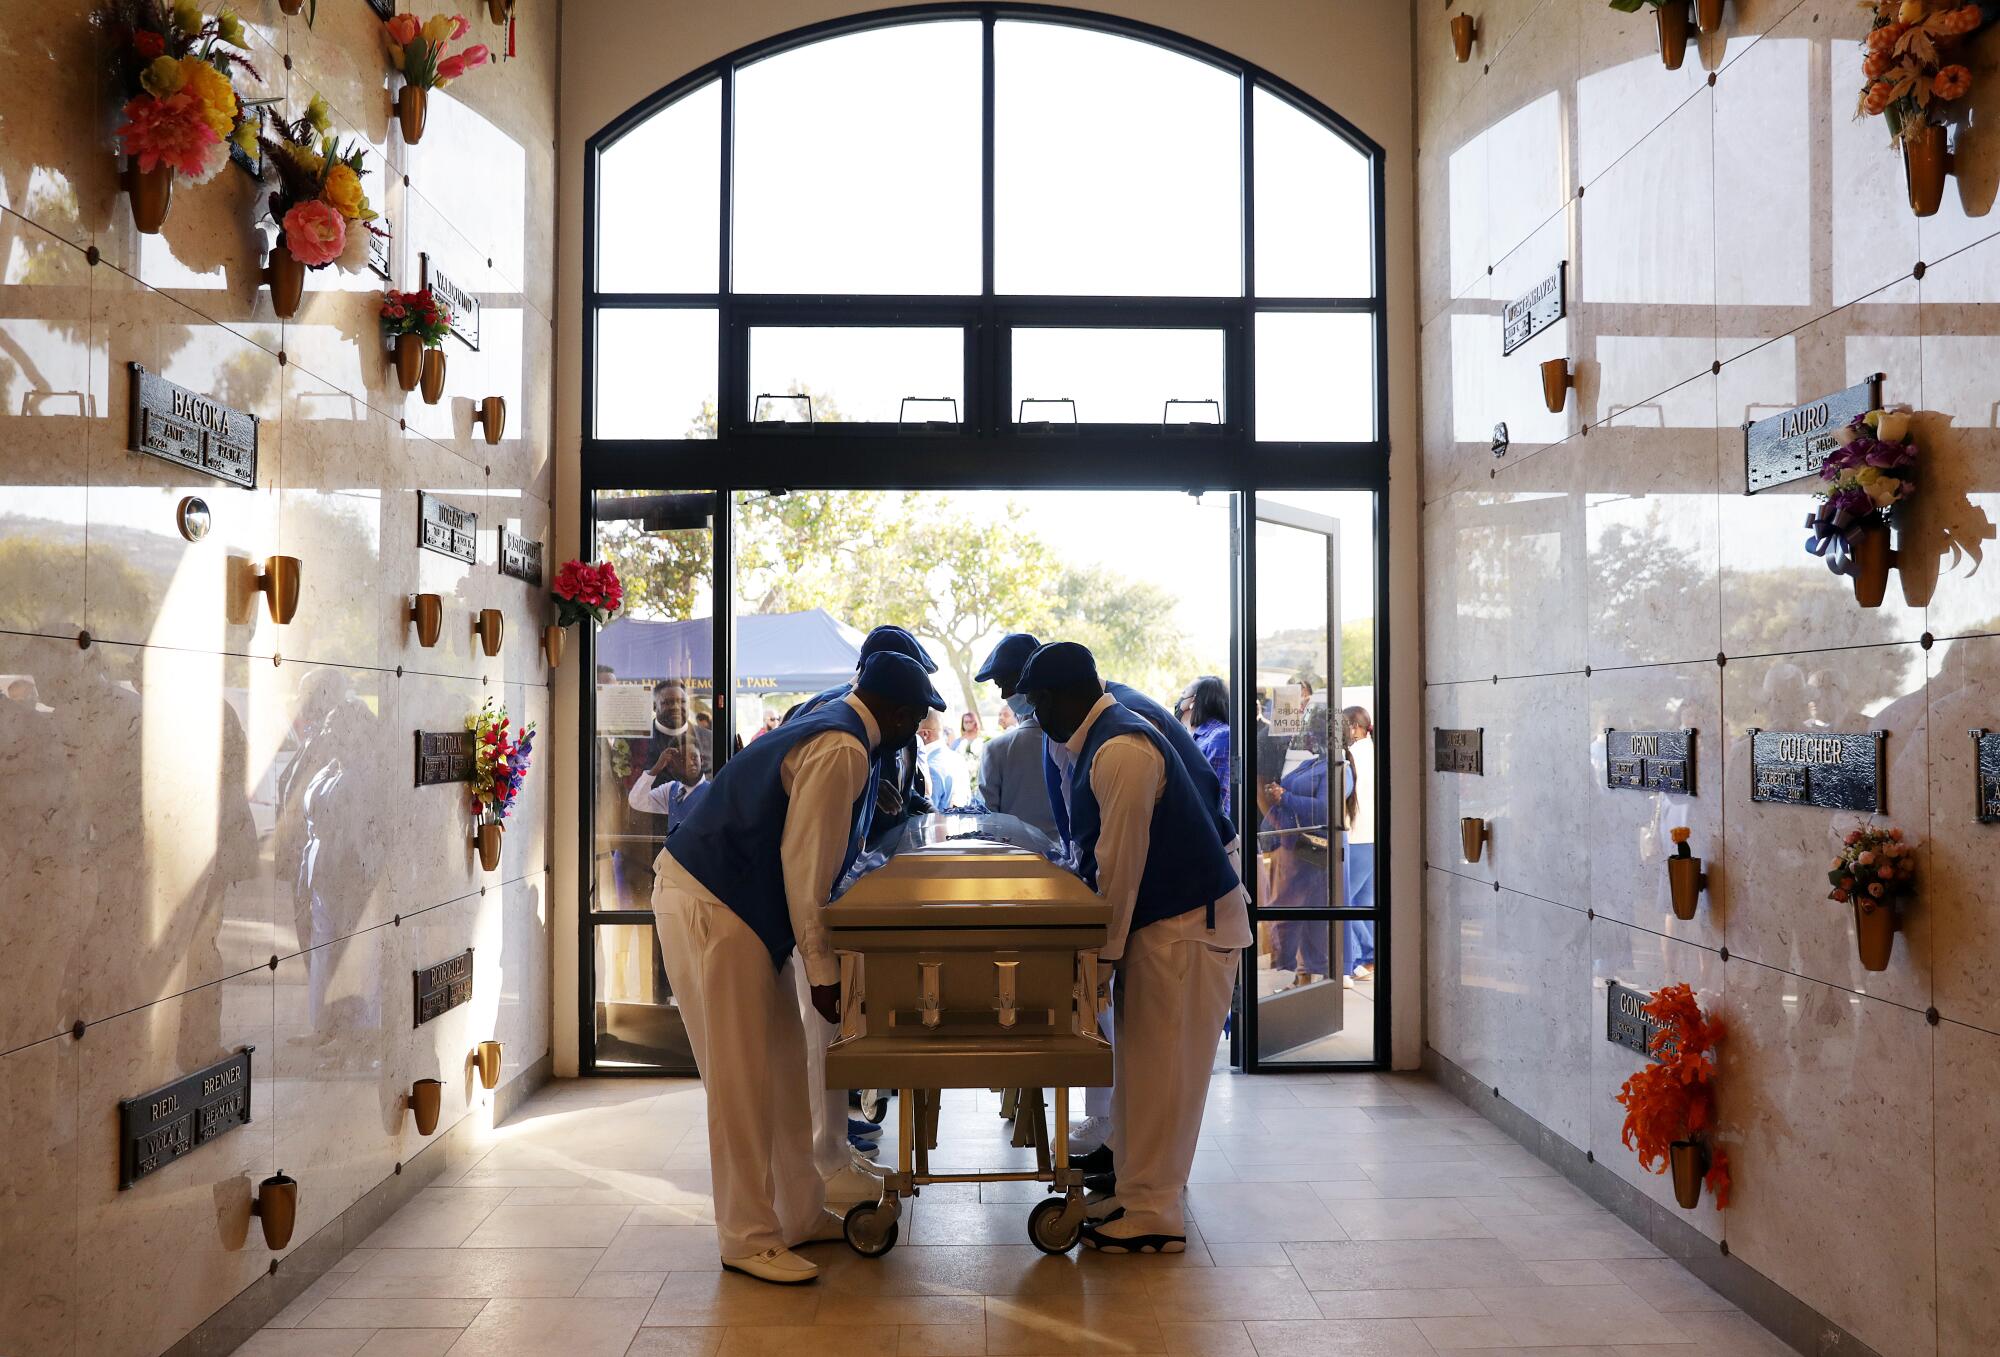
1674	1099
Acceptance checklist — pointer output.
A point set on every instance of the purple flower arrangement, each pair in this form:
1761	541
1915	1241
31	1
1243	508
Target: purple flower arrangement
1870	471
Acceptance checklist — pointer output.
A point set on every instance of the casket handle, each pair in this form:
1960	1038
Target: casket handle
1005	976
929	1003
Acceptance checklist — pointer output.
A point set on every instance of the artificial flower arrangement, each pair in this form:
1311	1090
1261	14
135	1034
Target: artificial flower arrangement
419	52
1876	872
587	592
182	114
319	205
1671	1102
1871	469
1912	82
500	761
418	322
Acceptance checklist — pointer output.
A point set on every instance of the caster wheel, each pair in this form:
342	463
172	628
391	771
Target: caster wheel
865	1232
874	1104
1046	1230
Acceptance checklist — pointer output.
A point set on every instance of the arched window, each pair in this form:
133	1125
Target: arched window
899	234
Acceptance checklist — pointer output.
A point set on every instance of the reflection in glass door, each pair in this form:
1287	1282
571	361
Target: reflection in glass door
1311	776
652	742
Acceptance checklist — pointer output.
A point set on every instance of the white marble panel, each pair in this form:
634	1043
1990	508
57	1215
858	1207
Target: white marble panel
61	181
1529	115
1828	1096
1968	1191
435	861
1629	830
1645	961
1964	861
1514	381
1461	350
1952	523
39	1286
1779	914
1624	92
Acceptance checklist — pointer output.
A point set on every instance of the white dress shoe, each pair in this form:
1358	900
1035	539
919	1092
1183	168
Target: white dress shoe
830	1229
773	1265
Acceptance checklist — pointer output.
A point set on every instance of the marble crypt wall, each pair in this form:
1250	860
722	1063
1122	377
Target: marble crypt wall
1737	244
211	837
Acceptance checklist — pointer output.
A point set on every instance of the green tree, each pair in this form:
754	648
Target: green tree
1128	625
1357	652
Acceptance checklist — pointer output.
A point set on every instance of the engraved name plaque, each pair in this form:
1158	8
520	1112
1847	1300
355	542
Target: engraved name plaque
1986	776
464	306
520	557
1534	311
179	1119
1829	769
1792	444
175	425
1459	751
444	756
381	248
1650	760
443	987
447	529
1625	1020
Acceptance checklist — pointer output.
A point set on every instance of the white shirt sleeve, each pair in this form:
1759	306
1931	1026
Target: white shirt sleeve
1127	777
824	777
656	798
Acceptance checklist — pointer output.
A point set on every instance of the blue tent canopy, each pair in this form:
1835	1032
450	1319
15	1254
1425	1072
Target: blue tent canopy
775	653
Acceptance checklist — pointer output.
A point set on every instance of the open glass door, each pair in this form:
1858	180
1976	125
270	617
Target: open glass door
1311	975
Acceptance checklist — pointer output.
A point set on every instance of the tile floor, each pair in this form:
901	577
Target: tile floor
1353	1215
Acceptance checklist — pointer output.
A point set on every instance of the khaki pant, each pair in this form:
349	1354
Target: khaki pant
1171	1001
742	1020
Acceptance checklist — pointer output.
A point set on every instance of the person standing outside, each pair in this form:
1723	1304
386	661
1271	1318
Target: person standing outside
1010	769
1146	842
1204	710
1358	731
740	887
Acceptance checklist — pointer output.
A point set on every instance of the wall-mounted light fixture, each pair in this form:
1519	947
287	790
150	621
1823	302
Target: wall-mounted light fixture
427	612
278	582
1463	30
1557	379
492	414
488	626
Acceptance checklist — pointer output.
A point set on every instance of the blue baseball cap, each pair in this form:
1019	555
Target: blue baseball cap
1007	658
891	674
1057	667
896	641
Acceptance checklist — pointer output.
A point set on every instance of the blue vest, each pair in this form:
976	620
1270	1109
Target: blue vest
818	700
1186	867
1199	770
730	840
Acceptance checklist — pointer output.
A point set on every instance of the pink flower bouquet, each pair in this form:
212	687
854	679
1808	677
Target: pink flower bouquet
173	67
419	51
1876	868
321	210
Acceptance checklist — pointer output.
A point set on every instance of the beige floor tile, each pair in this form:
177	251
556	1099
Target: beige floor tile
930	1223
1727	1334
676	1343
470	1273
1400	1304
572	1196
1259	1212
1207	1338
941	1340
307	1342
1545	1316
1555	1238
1413	1218
307	1301
693	1211
1121	1322
819	1341
1231	1293
662	1248
1587	1272
623	1285
1339	1338
350	1261
410	1343
392	1314
552	1328
513	1227
1476	1333
437	1218
1396	1264
849	1308
1264	1253
1664	1284
1469	1179
721	1299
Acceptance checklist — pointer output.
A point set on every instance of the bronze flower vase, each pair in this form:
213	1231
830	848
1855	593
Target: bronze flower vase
409	361
277	1208
1472	836
287	277
486	1059
552	645
1926	161
487	838
1689	1161
426	1101
412	104
152	192
1875	927
1463	31
1685	881
292	7
1672	18
1708	15
1872	559
433	375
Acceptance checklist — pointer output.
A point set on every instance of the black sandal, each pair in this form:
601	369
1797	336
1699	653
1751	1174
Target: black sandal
1094	1238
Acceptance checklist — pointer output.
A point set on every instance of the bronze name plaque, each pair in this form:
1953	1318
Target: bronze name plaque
176	425
444	756
464	306
1535	310
1650	760
381	248
447	529
443	987
1625	1020
1793	443
1830	769
168	1123
1459	751
1986	776
520	557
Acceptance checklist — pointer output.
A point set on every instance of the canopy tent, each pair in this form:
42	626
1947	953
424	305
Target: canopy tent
775	652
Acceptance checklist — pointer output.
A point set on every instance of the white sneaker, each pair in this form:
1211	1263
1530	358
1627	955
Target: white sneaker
1088	1135
829	1229
781	1266
851	1185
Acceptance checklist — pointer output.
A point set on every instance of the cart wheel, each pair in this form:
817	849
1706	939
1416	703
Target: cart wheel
874	1104
865	1232
1046	1230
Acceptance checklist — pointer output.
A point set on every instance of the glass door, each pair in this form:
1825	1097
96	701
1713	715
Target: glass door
653	721
1311	971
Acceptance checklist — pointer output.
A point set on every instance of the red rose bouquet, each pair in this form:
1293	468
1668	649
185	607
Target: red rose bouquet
583	590
418	313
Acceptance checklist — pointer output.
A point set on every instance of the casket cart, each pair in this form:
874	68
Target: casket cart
968	959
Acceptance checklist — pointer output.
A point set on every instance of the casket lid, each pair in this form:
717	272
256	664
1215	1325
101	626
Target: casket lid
976	868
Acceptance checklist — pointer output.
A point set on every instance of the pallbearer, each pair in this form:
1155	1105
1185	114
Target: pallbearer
741	885
1145	841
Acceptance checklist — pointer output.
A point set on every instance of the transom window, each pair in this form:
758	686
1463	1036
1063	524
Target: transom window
989	224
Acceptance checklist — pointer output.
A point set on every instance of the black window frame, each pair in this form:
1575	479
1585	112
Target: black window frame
987	449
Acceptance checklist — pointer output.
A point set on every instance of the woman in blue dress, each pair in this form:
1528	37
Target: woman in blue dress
1204	710
1295	814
